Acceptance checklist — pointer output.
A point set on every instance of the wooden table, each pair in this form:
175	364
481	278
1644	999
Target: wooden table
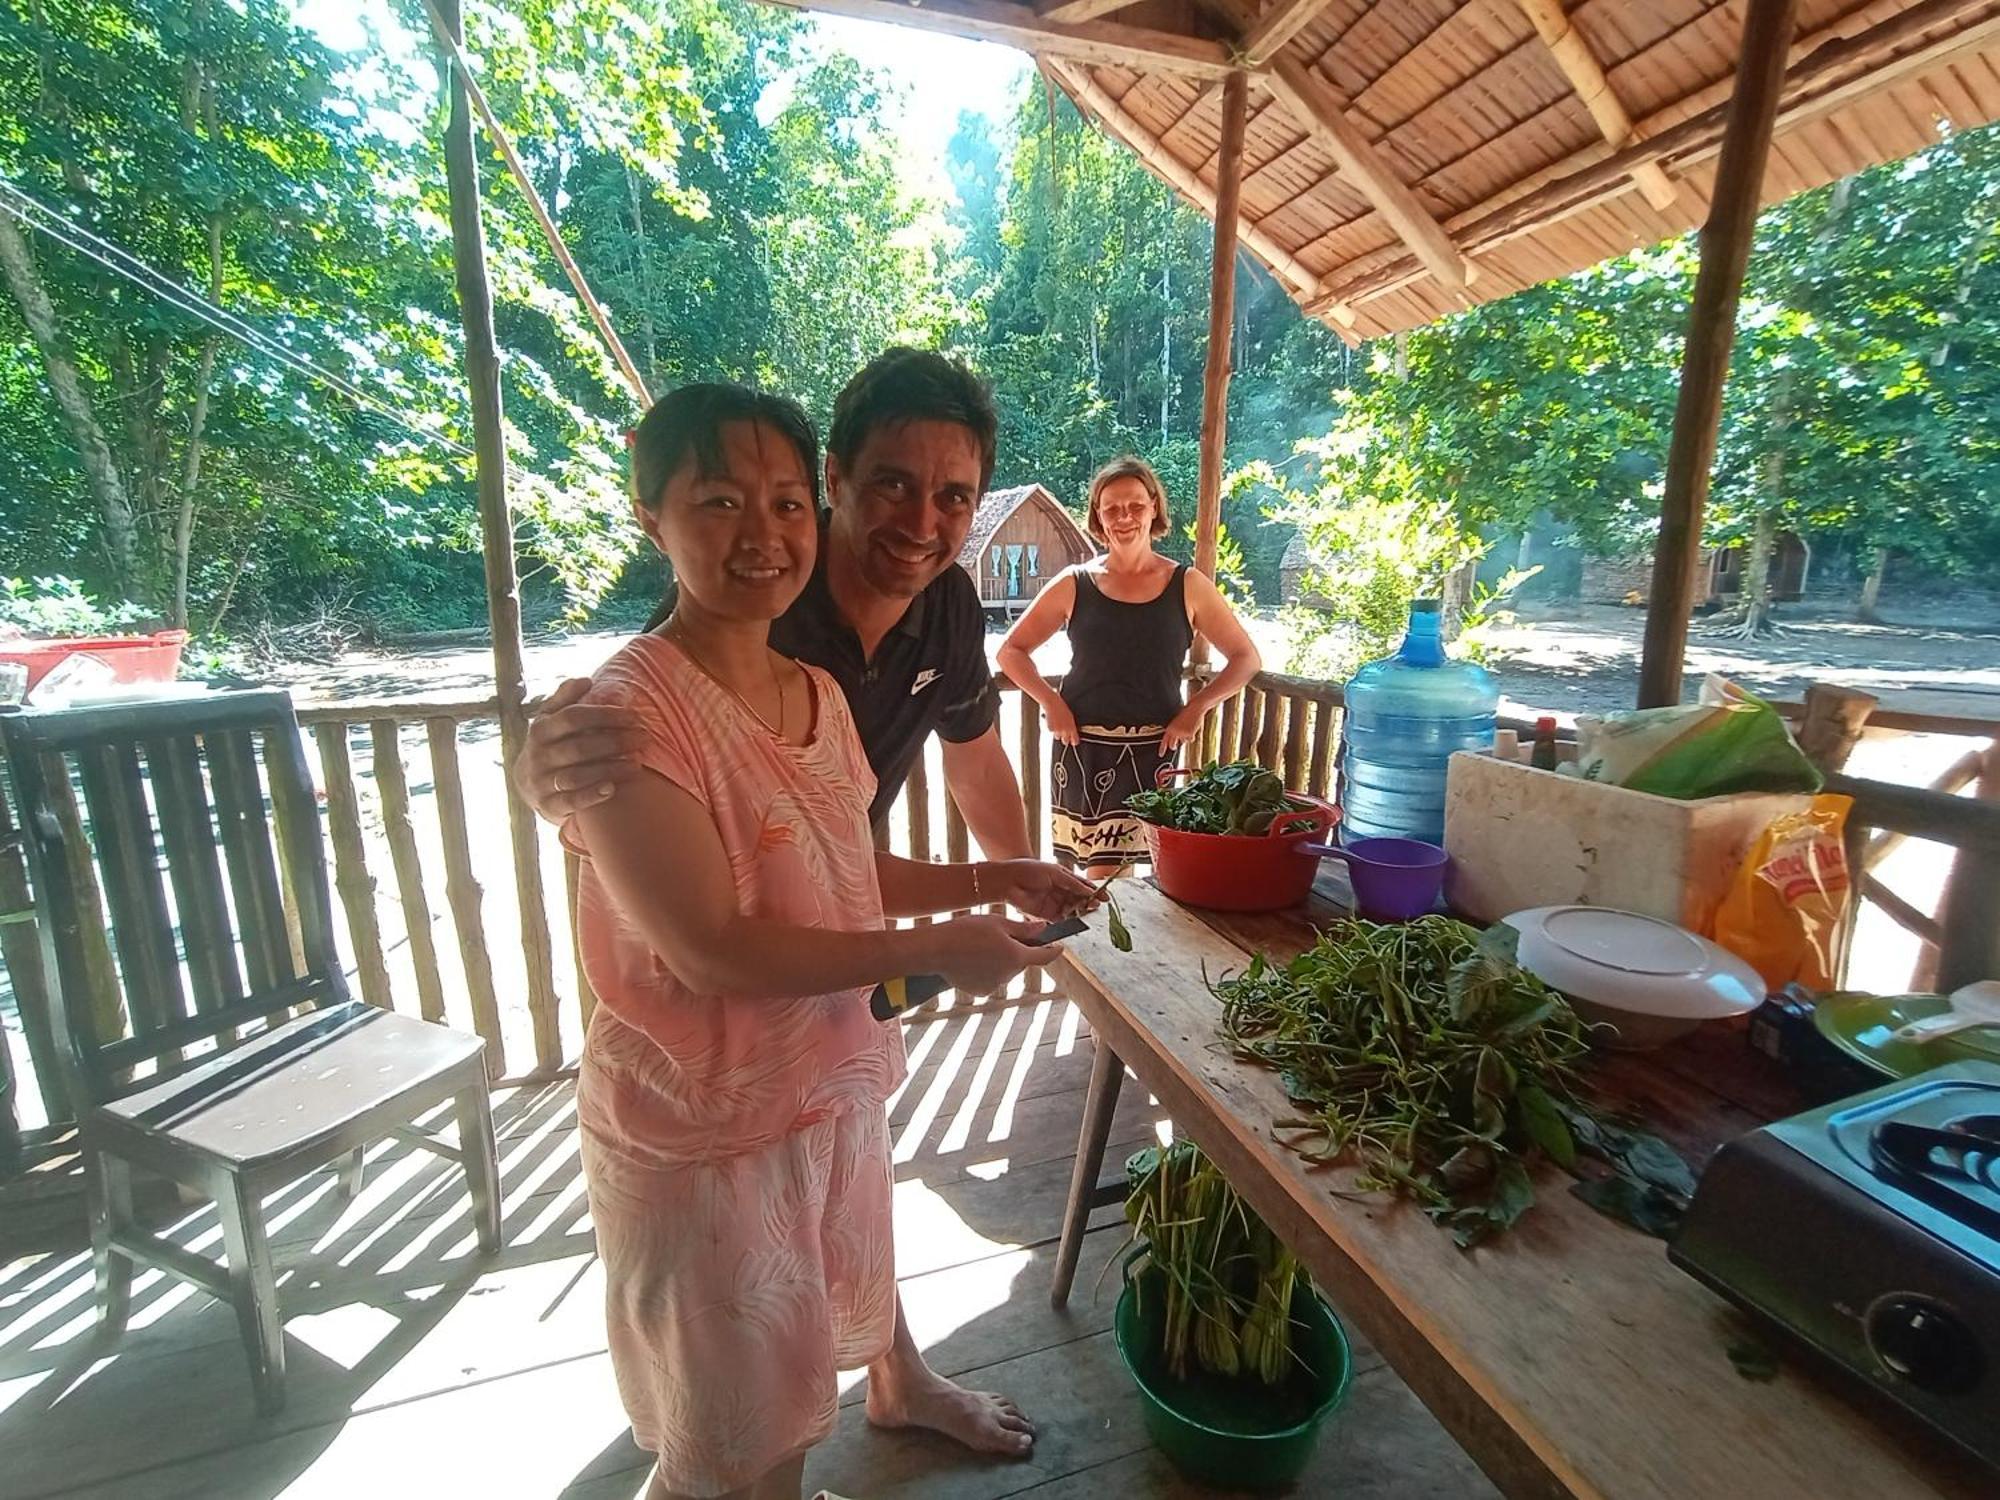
1569	1358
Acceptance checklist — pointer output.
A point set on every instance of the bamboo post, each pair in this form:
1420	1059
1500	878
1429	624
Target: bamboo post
1725	255
449	38
957	850
350	865
1031	774
1221	319
1221	324
1275	704
1298	731
394	788
1832	725
21	952
106	999
957	844
917	798
462	892
1225	735
586	996
1326	728
1969	912
496	527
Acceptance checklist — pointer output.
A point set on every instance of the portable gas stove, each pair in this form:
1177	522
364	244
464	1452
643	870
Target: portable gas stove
1869	1231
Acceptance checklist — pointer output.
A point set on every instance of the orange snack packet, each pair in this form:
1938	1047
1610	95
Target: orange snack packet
1782	915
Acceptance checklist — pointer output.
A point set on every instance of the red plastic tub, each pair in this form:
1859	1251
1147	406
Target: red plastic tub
1239	872
132	658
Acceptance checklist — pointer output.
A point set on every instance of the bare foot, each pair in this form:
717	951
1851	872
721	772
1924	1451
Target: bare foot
982	1421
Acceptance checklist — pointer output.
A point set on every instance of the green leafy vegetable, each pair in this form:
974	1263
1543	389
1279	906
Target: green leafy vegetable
1423	1052
1631	1201
1753	1360
1114	924
1241	797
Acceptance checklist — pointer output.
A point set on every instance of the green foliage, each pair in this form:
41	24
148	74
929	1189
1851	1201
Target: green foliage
1378	541
46	607
1861	405
1225	1281
1095	331
735	196
304	191
1424	1053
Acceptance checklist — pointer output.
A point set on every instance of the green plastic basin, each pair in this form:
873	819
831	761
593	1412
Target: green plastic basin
1235	1434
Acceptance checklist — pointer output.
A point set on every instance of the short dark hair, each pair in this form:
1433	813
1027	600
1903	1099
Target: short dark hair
687	423
913	385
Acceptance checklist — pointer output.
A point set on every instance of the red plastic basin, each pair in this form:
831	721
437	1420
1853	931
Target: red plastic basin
132	658
1241	872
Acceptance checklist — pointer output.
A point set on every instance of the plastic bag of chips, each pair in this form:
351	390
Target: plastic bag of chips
1782	915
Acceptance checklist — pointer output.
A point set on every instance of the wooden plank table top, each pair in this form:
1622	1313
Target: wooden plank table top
1568	1357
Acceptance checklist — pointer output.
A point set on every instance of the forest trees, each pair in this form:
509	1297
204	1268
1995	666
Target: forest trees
1095	330
737	195
1862	405
203	139
735	234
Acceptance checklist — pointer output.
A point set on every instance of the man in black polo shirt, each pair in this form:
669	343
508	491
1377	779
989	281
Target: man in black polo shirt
890	614
887	612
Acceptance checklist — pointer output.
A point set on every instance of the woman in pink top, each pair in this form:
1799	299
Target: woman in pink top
733	918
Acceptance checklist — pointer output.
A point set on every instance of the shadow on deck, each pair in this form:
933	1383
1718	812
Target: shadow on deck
418	1369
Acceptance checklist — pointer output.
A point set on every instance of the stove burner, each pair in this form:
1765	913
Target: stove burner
1957	1164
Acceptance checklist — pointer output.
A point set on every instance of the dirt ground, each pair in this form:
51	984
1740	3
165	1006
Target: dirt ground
1944	659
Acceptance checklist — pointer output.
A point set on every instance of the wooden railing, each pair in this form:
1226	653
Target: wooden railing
410	814
1960	942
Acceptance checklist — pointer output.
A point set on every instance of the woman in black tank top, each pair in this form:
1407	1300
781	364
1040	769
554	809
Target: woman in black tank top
1118	717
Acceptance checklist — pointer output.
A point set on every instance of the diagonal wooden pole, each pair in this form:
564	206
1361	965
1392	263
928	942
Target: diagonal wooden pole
449	39
1725	256
496	527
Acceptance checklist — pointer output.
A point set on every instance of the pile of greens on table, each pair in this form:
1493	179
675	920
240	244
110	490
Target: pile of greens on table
1241	797
1424	1053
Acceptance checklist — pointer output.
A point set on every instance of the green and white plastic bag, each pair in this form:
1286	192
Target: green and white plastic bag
1729	741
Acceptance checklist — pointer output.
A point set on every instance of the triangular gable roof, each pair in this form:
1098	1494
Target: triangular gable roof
993	513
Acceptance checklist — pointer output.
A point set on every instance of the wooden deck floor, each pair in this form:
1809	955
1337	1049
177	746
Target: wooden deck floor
417	1370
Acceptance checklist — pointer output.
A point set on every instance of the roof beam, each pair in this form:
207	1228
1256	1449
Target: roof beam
1089	95
1101	42
1580	66
1078	10
1276	27
1320	111
1859	54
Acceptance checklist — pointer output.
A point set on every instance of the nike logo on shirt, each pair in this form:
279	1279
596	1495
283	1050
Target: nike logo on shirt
925	678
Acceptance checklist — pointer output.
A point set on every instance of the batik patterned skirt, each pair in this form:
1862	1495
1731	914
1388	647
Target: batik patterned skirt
1088	784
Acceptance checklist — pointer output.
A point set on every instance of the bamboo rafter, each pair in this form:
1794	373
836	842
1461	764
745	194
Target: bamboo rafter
1089	96
1580	66
1830	69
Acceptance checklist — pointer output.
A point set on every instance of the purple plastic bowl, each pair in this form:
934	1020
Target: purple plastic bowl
1393	879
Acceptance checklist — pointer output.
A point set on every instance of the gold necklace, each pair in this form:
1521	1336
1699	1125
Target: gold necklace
679	636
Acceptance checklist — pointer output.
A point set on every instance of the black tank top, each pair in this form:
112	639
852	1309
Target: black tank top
1126	659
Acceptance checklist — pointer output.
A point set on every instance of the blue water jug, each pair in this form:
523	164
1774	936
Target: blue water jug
1405	716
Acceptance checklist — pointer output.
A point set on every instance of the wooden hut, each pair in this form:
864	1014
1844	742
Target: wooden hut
1020	539
1628	578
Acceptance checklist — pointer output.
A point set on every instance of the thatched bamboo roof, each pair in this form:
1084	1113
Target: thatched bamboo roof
1404	158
